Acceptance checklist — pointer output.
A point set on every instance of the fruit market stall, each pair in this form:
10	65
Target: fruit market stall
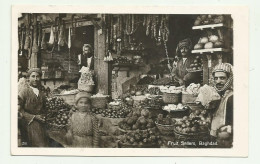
135	98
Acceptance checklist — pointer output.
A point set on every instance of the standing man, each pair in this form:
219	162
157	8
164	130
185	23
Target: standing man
184	60
31	108
86	58
222	120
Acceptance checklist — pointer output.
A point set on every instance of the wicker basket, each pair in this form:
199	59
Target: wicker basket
171	98
165	129
99	102
188	98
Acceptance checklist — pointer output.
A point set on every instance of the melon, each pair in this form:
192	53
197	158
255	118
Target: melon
208	45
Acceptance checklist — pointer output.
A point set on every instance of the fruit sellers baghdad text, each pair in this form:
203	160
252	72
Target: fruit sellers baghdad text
189	143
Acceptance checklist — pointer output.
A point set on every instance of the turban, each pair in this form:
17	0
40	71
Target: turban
30	71
227	68
82	95
184	43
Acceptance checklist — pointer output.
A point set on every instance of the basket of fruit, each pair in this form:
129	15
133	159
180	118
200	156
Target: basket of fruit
165	125
171	98
140	139
68	98
194	126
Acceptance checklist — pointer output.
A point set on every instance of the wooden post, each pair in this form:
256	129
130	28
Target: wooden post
101	68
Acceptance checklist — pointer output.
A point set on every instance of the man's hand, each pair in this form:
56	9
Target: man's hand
40	118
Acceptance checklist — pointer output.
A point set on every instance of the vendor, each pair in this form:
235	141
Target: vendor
31	102
86	58
223	117
184	60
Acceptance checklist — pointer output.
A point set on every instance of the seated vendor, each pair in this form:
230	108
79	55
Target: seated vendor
184	60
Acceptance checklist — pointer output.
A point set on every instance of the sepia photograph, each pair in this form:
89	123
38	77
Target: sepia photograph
124	80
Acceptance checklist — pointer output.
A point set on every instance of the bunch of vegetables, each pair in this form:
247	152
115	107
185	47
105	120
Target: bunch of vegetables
197	122
209	19
141	138
137	119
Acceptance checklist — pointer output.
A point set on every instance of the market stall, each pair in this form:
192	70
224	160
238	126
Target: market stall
134	96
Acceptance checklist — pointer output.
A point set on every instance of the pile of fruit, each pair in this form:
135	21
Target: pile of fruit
196	64
58	112
137	119
209	19
197	122
141	138
61	118
56	103
152	102
154	91
208	42
112	113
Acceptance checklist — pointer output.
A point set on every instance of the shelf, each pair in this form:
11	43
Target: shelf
212	50
208	26
127	65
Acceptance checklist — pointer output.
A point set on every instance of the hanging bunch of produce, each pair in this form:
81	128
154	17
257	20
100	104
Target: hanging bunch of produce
157	27
62	38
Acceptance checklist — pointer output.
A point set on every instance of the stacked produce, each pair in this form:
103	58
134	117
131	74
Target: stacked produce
56	104
58	112
112	112
196	65
208	42
209	19
137	119
197	122
141	138
153	102
154	91
62	118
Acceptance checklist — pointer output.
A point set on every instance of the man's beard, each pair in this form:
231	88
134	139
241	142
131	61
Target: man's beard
219	86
